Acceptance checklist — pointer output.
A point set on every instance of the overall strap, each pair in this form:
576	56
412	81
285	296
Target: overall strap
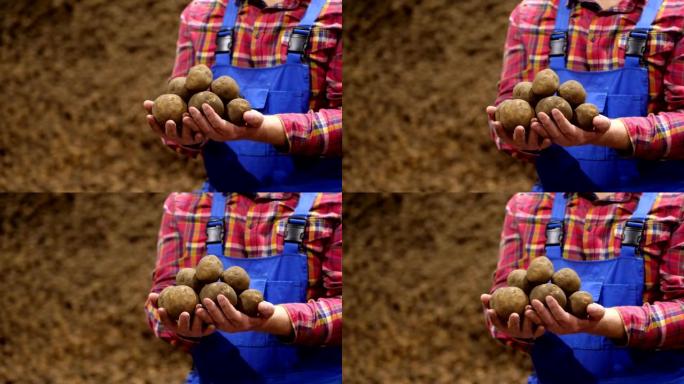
634	228
559	37
215	226
636	43
554	228
296	224
299	40
224	38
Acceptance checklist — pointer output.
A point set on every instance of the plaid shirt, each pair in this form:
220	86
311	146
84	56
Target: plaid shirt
593	231
597	42
256	228
261	40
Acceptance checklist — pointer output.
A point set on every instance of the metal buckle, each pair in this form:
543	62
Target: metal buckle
632	233
224	41
214	232
554	233
636	43
294	230
299	40
559	43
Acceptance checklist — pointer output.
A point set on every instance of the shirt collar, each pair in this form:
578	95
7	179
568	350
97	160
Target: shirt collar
624	6
619	197
281	4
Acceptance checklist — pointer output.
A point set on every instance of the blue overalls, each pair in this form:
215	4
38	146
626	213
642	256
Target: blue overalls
249	166
617	93
255	357
584	358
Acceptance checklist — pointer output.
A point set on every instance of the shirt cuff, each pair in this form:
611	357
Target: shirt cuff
639	148
637	334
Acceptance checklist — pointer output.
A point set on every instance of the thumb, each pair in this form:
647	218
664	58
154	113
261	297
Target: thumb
595	311
253	119
484	298
266	309
601	124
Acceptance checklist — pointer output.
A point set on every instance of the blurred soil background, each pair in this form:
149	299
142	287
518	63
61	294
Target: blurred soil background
418	76
415	266
76	273
74	74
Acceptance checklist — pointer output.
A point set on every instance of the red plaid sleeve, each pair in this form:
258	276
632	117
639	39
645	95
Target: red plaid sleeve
169	247
661	324
319	322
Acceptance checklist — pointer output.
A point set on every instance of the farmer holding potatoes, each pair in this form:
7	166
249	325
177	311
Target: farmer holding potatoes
629	55
628	250
286	56
291	247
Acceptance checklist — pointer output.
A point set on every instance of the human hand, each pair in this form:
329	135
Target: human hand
188	135
183	327
258	127
525	329
557	320
520	140
562	132
228	319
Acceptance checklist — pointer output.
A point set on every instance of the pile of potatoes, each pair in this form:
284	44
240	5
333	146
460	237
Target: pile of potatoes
199	87
208	280
533	283
531	98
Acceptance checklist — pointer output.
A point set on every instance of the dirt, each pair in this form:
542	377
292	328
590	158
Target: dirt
74	75
75	277
415	266
418	76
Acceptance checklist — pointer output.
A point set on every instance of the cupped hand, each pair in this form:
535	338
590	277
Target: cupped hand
184	327
562	132
228	319
214	127
514	327
557	320
520	139
189	134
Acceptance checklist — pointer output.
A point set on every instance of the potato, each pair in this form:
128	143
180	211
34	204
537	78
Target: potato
550	103
237	278
573	92
523	91
545	83
169	107
186	276
176	86
578	303
584	116
513	113
236	111
540	292
178	299
540	270
211	291
567	280
209	269
249	302
508	300
518	278
199	78
226	88
198	99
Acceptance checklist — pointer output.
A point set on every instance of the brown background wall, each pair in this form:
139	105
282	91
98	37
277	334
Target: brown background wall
415	266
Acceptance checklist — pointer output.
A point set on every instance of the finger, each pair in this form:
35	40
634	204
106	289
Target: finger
491	112
539	332
215	313
545	144
565	127
212	117
514	322
501	134
557	311
266	309
595	311
204	315
533	317
202	123
550	127
148	105
152	122
153	297
601	124
547	318
519	136
533	140
166	320
228	309
494	319
253	119
171	131
484	298
184	323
